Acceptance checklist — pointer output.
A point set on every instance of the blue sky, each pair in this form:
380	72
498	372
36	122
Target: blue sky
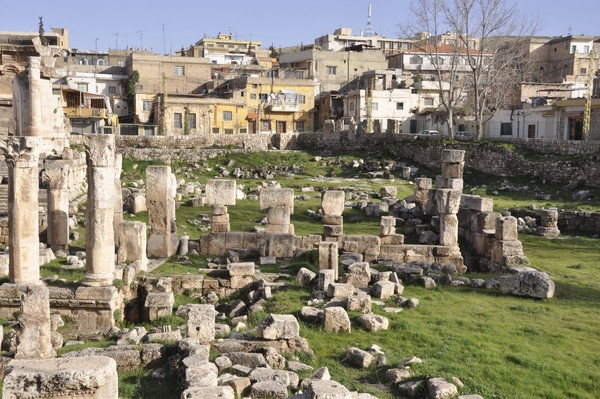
278	22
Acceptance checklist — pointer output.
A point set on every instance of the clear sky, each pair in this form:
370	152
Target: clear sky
110	24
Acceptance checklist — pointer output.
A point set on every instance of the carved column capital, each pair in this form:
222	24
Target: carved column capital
57	172
21	152
100	150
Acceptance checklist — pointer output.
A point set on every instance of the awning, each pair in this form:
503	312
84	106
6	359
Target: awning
251	116
571	114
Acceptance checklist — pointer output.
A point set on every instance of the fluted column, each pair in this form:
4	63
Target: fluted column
22	156
100	239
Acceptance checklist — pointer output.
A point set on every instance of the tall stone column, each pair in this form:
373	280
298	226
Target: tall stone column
22	156
118	198
160	202
57	171
100	238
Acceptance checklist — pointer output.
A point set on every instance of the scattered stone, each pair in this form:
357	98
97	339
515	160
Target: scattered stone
335	319
373	322
279	327
359	358
268	389
440	388
528	283
396	376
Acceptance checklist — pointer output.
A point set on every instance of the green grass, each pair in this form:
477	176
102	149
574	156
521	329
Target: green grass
499	346
54	269
140	384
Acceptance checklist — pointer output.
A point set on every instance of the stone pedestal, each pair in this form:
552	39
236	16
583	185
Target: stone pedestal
332	204
328	257
57	171
220	193
34	334
132	248
22	155
548	223
278	204
160	194
86	377
100	238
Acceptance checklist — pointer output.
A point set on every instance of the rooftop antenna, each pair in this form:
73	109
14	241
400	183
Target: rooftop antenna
116	40
369	31
141	32
163	34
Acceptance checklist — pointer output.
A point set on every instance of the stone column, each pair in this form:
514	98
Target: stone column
332	203
549	223
118	198
57	171
278	204
328	257
160	202
448	196
22	156
219	194
100	237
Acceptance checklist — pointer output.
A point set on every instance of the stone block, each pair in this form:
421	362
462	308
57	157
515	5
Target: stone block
392	239
278	215
373	322
388	192
506	229
279	326
448	230
360	304
486	221
327	389
34	336
387	231
220	227
242	269
455	184
477	203
383	289
89	377
350	246
220	392
358	358
328	257
220	218
270	197
326	277
333	220
527	283
132	243
136	202
218	209
268	389
453	170
440	388
201	322
220	192
423	183
448	201
388	221
335	319
305	276
340	290
277	228
453	156
332	202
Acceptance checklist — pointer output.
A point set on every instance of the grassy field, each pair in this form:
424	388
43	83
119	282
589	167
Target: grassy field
500	347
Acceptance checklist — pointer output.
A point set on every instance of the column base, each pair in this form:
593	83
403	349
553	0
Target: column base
98	280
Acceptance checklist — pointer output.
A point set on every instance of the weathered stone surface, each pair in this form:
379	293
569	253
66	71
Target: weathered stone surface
506	229
383	289
252	360
360	304
279	215
448	230
412	389
448	201
268	389
326	277
358	357
528	283
439	388
34	335
279	326
388	192
201	322
286	378
396	376
132	243
373	322
276	197
305	276
335	319
332	202
222	392
327	389
242	269
340	290
328	257
311	314
220	192
91	377
163	240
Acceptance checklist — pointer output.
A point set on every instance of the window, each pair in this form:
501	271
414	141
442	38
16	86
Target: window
586	49
227	115
263	97
399	106
299	126
177	120
428	101
139	87
121	63
351	106
253	96
147	105
191	121
254	86
100	62
331	70
243	130
375	106
216	130
228	131
112	89
179	70
582	71
506	129
301	99
573	49
82	86
265	125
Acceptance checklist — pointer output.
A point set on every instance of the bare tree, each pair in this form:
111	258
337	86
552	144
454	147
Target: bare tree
444	60
496	29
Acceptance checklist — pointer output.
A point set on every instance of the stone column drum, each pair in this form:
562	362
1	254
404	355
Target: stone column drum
100	238
118	198
57	171
22	156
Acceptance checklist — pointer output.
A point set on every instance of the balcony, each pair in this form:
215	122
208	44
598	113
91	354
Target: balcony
86	113
283	102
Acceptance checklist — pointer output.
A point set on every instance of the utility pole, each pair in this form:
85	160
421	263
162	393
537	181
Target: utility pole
141	33
164	46
116	40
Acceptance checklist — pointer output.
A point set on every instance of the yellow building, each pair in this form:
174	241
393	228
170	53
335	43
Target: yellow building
273	105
